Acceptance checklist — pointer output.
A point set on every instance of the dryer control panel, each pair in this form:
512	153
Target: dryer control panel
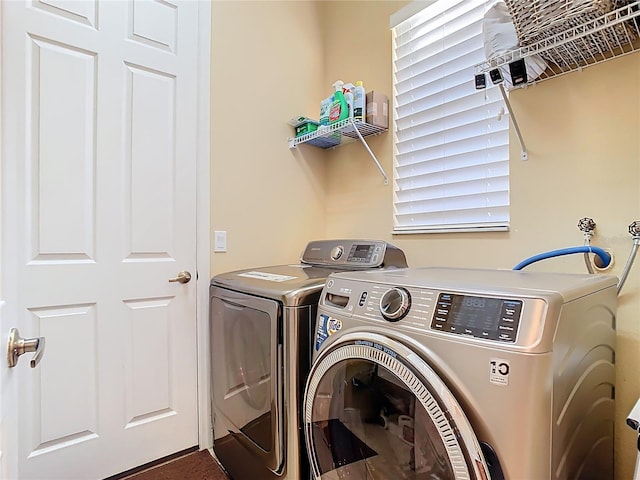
353	254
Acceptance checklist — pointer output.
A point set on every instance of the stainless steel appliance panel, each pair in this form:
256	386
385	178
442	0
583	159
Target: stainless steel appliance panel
247	365
539	397
261	327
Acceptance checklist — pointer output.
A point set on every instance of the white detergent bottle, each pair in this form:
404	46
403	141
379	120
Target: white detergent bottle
359	102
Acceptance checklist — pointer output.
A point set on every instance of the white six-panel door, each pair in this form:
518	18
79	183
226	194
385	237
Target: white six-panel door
98	213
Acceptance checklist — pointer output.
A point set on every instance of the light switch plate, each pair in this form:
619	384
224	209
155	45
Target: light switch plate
219	241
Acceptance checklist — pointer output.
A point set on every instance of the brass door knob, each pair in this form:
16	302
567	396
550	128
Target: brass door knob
18	346
183	277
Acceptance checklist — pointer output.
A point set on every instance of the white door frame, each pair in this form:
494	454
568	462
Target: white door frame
3	335
203	237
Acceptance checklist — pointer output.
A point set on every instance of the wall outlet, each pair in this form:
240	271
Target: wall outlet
219	241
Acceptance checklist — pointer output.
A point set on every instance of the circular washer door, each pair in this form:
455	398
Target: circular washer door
375	410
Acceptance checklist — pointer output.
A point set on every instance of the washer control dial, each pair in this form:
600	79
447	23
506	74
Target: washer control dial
395	304
336	252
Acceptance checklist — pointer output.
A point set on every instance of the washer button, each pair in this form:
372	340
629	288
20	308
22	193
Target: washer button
363	299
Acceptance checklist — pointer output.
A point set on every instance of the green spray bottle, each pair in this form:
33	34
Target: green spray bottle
339	108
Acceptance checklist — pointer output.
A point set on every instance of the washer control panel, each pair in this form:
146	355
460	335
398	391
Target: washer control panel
481	317
513	309
353	254
487	317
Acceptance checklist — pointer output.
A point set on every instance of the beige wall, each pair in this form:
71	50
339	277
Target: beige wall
266	68
581	130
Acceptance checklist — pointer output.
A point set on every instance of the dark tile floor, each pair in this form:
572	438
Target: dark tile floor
192	466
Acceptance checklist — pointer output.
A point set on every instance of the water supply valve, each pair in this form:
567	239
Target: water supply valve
587	225
634	231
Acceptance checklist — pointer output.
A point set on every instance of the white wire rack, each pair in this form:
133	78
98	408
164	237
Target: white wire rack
595	41
336	134
341	133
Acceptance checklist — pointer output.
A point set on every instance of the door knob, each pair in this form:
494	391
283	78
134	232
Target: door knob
183	277
18	346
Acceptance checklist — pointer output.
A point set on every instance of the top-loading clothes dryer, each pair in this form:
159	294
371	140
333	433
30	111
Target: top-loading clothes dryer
444	374
261	322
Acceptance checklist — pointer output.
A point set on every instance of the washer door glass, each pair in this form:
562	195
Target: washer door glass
371	414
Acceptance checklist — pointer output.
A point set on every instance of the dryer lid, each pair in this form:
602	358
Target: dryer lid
293	285
301	284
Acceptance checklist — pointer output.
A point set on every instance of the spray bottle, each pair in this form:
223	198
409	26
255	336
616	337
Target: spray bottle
347	90
339	109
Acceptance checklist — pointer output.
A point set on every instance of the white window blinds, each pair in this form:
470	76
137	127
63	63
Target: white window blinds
451	158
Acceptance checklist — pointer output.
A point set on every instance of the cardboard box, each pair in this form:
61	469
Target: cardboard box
377	109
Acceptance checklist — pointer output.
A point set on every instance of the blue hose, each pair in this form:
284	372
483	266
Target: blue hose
604	256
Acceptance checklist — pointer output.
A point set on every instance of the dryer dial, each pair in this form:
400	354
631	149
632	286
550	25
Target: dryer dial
336	252
395	304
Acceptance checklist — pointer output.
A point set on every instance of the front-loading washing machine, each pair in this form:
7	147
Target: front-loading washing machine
261	326
441	373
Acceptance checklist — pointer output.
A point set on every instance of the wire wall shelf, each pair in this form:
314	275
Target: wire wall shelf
337	134
342	133
608	36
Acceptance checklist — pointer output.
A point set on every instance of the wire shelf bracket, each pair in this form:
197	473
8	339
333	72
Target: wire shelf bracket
612	35
524	155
